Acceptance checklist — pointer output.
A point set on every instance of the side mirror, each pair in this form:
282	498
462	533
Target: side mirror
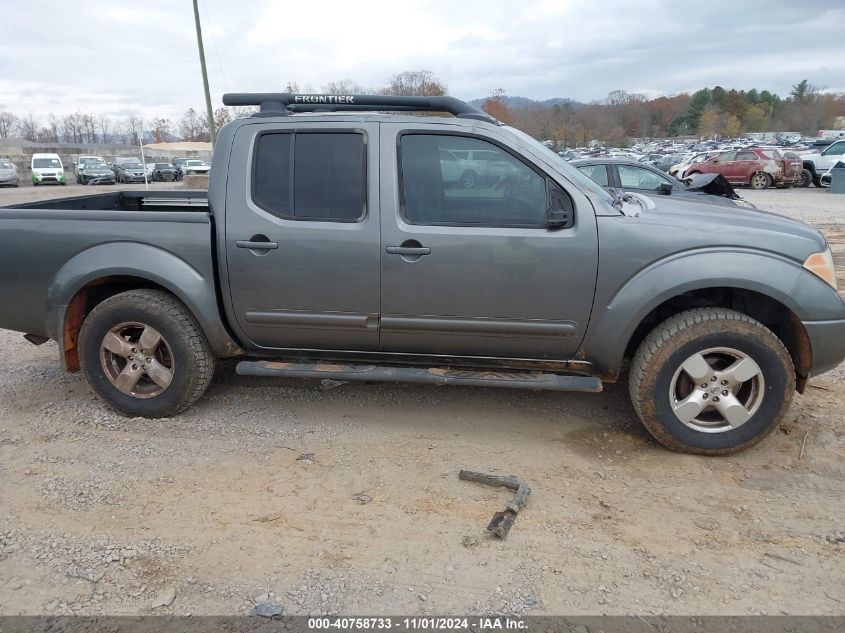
560	214
665	188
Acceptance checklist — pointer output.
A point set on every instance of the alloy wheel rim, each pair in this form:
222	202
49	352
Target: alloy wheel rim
137	360
717	390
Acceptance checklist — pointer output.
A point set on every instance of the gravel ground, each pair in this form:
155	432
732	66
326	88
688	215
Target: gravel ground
216	510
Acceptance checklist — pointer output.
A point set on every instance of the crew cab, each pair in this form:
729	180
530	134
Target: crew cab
333	245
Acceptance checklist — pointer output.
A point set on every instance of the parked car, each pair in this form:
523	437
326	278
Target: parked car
628	175
826	179
165	172
691	159
130	171
8	174
83	160
179	163
47	168
666	161
119	160
94	173
193	166
817	163
758	168
475	167
320	253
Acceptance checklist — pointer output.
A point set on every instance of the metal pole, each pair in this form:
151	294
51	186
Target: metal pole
209	111
143	159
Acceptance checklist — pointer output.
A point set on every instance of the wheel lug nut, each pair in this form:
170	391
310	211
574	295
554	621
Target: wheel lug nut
716	399
713	379
705	396
724	393
724	382
704	386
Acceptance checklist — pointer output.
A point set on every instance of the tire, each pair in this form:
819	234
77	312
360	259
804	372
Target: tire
468	179
817	181
760	180
806	178
181	357
661	388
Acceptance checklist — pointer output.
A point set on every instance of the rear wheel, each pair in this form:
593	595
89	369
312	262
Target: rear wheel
761	180
711	381
144	354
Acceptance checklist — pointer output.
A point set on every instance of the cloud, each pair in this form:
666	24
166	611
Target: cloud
142	57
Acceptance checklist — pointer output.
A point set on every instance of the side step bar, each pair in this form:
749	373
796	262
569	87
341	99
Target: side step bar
431	375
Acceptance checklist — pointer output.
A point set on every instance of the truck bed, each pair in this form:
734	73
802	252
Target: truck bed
49	249
183	200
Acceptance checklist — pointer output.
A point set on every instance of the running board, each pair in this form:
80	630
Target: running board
431	375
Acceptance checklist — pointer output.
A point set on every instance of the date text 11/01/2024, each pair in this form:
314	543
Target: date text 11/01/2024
417	623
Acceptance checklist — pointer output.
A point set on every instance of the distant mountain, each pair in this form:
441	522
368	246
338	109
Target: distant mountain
525	102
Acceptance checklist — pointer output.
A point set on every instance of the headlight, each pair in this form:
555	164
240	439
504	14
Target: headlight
821	265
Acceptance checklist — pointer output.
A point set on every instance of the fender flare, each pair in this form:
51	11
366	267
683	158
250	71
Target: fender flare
195	288
613	324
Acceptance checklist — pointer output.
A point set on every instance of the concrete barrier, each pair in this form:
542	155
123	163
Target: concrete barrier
195	181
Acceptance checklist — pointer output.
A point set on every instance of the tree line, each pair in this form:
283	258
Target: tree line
621	115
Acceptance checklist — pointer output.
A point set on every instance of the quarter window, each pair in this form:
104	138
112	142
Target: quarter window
310	176
458	180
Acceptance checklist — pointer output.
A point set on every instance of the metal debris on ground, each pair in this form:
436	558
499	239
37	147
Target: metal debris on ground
268	610
306	458
502	522
327	383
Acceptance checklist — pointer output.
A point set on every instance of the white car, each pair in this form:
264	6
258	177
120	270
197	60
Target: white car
194	166
47	168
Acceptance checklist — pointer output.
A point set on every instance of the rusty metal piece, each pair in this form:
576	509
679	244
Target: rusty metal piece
502	522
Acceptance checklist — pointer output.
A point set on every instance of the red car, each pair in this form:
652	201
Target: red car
759	168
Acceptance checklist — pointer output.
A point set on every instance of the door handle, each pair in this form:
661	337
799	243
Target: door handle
256	245
408	250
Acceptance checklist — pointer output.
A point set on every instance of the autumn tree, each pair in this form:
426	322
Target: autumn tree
414	83
496	106
222	116
192	126
161	130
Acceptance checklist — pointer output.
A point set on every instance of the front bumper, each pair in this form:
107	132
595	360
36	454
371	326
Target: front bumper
827	342
9	180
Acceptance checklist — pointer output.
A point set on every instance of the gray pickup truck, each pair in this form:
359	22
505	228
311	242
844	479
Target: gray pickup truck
341	240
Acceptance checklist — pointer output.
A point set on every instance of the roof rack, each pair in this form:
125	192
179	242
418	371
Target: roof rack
276	103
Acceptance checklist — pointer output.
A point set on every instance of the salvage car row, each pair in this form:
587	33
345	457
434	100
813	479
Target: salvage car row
745	164
48	168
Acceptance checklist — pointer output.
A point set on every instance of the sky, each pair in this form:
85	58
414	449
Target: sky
117	58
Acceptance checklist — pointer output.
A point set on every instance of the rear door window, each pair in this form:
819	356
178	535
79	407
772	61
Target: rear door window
632	177
310	176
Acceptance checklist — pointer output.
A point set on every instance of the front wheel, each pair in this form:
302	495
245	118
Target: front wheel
144	354
711	381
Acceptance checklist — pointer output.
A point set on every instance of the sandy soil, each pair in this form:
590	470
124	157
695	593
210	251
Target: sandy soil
104	514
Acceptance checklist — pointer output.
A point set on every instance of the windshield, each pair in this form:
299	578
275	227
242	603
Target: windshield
195	163
163	166
46	163
4	164
562	166
132	166
94	164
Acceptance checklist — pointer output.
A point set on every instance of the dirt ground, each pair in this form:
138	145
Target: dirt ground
217	509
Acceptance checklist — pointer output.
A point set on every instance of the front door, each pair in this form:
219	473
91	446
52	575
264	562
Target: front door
302	235
468	264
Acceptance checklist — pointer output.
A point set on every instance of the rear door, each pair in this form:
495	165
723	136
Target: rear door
302	235
469	266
